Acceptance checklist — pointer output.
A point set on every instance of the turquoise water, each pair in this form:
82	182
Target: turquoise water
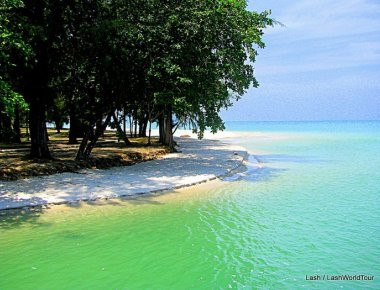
311	209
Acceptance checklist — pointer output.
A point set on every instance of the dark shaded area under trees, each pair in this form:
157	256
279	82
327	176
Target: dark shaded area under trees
98	63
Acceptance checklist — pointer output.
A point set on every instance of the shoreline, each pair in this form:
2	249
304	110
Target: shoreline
200	161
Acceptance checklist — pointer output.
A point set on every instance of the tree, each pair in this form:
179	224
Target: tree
40	25
202	58
57	112
12	47
170	62
103	70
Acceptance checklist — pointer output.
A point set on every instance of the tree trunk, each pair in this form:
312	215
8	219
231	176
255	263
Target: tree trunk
161	128
150	133
58	125
144	126
165	123
73	134
135	127
140	122
37	76
38	132
83	144
124	123
46	133
130	126
16	125
86	147
77	130
6	131
120	130
169	140
27	132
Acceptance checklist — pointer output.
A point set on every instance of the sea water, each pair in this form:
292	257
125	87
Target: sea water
308	207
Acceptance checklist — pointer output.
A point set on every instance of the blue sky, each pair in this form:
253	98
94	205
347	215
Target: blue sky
324	64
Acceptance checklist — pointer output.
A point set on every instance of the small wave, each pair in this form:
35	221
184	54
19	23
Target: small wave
250	165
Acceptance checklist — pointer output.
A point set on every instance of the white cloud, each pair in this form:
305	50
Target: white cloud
325	64
351	54
329	18
322	35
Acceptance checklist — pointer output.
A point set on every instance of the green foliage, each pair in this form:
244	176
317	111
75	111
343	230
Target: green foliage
11	44
203	57
9	99
146	58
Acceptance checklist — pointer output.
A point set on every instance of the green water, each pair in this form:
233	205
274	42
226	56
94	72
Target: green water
313	208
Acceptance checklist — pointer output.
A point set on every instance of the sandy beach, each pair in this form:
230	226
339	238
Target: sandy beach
198	161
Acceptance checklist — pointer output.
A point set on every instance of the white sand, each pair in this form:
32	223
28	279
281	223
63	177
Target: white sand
198	162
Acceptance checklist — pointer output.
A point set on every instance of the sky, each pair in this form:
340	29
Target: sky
323	64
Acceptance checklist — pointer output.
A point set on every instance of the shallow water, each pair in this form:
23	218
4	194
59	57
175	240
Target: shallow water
311	208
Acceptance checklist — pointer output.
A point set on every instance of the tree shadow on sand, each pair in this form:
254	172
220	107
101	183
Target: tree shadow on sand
200	161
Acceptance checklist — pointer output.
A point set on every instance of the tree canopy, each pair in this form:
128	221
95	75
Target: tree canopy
98	62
